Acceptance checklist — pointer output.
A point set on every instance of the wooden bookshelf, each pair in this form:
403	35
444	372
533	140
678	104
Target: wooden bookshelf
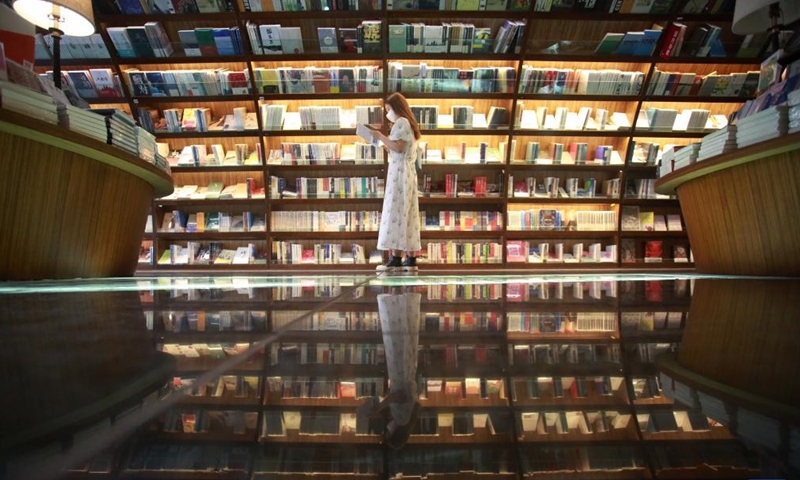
542	30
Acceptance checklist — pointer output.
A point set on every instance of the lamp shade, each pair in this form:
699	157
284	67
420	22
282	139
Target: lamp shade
752	16
72	17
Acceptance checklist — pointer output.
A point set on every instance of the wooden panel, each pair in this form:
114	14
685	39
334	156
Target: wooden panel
67	215
743	333
740	220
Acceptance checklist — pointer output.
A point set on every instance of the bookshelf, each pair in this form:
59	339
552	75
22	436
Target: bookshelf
556	40
479	419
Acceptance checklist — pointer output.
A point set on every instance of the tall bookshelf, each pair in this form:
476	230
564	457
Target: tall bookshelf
496	228
487	410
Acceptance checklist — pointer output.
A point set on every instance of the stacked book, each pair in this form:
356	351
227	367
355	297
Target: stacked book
793	101
20	99
717	143
765	125
84	122
146	142
686	155
667	162
121	129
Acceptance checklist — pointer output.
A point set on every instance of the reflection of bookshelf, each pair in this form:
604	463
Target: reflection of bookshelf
550	55
478	414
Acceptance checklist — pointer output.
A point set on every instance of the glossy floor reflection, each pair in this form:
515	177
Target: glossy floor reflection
401	377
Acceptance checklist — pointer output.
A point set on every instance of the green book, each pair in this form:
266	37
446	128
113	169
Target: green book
495	5
609	43
205	40
214	189
398	38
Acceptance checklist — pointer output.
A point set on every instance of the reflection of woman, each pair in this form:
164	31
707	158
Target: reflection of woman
399	229
399	314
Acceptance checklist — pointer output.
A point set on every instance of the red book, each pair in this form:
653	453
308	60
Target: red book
671	39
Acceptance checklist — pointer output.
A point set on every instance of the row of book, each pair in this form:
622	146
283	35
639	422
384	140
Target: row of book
147	41
461	252
309	5
461	221
523	251
554	219
178	221
325	153
197	253
604	6
569	81
91	46
292	253
562	322
229	386
357	79
197	155
451	187
637	43
362	321
711	85
633	219
199	421
274	39
577	153
325	221
186	83
138	7
183	321
327	187
550	187
325	387
556	353
704	41
312	117
217	191
90	84
434	79
418	37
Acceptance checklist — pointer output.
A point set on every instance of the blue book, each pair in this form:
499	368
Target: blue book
224	41
629	43
157	84
648	43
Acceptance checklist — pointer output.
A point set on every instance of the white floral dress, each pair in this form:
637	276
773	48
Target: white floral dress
399	228
400	317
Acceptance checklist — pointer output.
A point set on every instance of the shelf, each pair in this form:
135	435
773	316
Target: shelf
570	234
319	96
243	202
295	201
694	99
299	235
338	166
123	20
577	201
211	134
464	131
669	134
70	63
572	133
314	57
183	60
578	97
459	165
461	95
197	99
650	202
431	200
565	167
460	234
461	14
212	236
216	168
654	234
629	17
308	133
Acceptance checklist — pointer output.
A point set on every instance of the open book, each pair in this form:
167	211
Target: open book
365	133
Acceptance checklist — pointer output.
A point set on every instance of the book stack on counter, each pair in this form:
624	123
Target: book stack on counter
84	122
793	101
121	129
765	125
686	156
717	143
667	162
31	103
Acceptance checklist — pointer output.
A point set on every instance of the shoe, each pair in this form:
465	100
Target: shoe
393	263
410	264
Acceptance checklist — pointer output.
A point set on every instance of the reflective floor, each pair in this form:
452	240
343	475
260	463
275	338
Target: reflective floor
350	377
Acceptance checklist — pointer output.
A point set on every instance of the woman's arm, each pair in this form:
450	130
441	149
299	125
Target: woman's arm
398	146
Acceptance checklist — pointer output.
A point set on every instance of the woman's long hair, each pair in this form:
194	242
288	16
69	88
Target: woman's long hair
400	107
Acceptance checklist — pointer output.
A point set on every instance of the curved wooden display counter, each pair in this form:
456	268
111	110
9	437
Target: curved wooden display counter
741	209
70	206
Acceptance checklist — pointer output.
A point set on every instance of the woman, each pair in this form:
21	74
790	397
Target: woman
399	229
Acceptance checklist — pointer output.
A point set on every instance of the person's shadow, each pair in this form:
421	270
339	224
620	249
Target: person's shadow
399	314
